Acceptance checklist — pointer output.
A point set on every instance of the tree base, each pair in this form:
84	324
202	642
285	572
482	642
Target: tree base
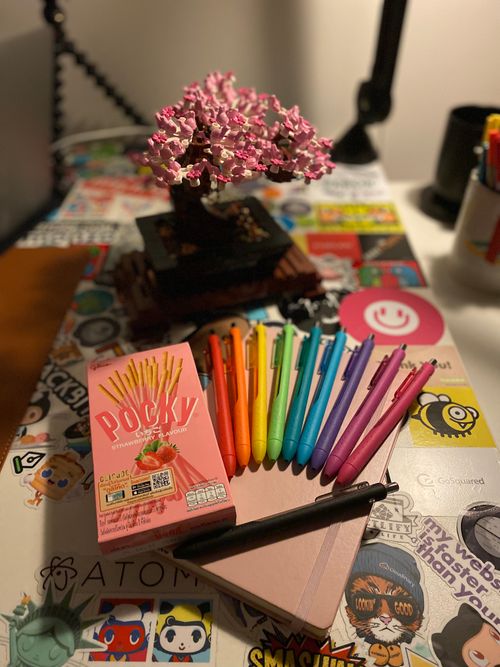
219	252
151	310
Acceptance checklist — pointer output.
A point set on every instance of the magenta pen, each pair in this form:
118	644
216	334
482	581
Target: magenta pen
403	398
377	389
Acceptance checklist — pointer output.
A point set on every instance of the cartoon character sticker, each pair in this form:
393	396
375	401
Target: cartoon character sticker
449	416
183	631
47	635
96	331
37	410
78	437
467	640
385	601
55	479
125	630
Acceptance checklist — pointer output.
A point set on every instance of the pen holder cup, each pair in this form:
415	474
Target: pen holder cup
475	257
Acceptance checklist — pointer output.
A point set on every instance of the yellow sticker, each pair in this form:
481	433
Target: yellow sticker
449	417
376	218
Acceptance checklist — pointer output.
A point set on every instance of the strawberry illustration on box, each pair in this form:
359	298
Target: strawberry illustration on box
158	470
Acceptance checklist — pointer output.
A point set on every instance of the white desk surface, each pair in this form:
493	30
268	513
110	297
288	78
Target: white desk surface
473	317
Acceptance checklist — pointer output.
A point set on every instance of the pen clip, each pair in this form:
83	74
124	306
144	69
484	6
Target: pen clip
251	351
378	372
405	384
228	357
277	354
341	491
325	359
303	353
351	363
327	354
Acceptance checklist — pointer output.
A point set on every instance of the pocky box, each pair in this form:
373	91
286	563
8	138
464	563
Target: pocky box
158	471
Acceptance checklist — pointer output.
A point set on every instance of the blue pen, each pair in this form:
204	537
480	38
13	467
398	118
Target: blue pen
328	369
351	378
298	405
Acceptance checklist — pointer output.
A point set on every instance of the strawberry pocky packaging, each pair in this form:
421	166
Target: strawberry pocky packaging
157	466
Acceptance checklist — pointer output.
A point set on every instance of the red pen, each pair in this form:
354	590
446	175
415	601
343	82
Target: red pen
405	395
224	427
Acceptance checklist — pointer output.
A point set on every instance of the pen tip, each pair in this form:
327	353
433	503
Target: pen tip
371	336
433	362
392	487
403	346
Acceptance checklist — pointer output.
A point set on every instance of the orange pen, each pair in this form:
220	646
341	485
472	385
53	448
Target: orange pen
222	408
236	365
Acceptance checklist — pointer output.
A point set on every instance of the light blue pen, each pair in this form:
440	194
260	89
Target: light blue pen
328	369
298	404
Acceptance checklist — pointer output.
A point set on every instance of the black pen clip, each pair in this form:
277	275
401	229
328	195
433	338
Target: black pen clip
341	491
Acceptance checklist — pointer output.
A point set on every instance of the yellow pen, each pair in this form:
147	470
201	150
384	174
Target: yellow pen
258	373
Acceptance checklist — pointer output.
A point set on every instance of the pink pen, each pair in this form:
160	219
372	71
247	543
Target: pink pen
403	398
377	389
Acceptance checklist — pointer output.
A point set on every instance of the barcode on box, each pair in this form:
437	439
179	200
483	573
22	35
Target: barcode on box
161	480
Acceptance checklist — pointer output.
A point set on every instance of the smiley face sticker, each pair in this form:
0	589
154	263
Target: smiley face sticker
393	315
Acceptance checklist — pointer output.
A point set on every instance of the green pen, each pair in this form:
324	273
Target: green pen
283	363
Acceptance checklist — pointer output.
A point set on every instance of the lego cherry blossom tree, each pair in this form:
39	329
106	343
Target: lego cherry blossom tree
218	134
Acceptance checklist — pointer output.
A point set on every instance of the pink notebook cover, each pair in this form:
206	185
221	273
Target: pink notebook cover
300	579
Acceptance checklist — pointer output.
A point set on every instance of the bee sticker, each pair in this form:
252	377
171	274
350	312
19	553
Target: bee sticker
449	419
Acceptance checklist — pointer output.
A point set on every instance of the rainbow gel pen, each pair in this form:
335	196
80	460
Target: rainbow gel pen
306	363
258	369
351	378
377	389
328	369
283	363
403	398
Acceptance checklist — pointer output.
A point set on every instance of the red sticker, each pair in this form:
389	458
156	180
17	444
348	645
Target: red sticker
393	315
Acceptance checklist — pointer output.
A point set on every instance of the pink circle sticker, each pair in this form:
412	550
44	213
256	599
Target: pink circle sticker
393	315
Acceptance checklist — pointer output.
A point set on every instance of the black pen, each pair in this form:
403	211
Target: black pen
277	526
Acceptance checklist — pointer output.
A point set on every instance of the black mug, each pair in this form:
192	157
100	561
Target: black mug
457	158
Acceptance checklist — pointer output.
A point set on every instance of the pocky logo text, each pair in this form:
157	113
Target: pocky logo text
165	411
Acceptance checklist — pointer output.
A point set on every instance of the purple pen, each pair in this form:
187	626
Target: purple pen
351	378
377	389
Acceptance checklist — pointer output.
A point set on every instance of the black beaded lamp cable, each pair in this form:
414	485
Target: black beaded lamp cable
62	45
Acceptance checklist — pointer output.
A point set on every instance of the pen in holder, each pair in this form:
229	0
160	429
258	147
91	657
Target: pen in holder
475	256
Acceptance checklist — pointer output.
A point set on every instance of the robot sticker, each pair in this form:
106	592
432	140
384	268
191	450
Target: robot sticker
449	417
124	631
385	602
305	312
47	635
183	631
467	640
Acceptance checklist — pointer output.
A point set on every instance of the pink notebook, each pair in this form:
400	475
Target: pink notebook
300	579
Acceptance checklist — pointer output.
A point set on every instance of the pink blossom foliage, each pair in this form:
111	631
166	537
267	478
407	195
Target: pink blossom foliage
219	134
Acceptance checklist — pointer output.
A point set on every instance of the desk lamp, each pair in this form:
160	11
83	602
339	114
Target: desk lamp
374	96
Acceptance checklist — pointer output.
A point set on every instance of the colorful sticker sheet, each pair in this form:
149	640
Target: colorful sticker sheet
424	589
